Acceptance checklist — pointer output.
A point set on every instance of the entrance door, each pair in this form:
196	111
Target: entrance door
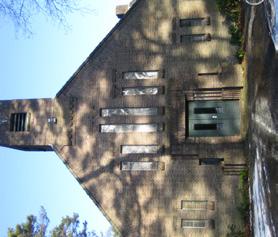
213	118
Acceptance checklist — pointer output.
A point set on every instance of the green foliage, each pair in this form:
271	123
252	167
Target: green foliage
69	227
234	231
231	10
240	54
236	38
31	228
243	207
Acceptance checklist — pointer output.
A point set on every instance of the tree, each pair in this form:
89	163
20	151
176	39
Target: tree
20	12
69	227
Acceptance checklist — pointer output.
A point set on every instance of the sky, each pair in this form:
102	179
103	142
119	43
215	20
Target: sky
37	66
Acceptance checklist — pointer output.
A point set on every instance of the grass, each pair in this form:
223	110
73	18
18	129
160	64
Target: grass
243	208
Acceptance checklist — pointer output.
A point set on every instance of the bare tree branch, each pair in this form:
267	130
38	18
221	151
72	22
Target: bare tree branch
20	12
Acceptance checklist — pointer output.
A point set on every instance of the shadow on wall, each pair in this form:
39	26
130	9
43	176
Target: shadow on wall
140	202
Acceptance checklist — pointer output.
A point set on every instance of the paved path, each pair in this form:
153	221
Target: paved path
262	73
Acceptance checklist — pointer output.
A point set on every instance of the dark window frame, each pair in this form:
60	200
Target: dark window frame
194	21
194	38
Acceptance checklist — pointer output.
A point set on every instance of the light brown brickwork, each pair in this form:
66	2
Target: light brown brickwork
146	203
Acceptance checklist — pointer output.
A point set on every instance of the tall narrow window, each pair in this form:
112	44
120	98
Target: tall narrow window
210	161
198	21
197	205
186	223
129	111
143	75
142	165
142	90
125	128
140	149
19	122
195	38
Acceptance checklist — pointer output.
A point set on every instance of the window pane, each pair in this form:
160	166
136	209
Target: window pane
140	75
139	166
205	111
129	111
140	91
210	161
195	38
194	205
194	22
193	223
140	149
205	126
124	128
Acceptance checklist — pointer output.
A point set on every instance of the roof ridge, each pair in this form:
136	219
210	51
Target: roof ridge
98	47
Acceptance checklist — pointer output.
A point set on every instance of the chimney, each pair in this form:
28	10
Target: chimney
122	9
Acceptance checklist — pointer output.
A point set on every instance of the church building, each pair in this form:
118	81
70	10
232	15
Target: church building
151	124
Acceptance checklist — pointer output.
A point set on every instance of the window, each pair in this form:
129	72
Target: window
205	126
144	75
199	21
140	149
125	128
142	91
195	38
197	205
19	122
213	118
193	223
208	74
129	111
210	161
142	165
208	110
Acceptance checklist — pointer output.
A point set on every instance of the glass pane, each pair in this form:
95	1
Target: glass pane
123	128
193	223
194	22
194	205
140	91
140	75
199	224
137	166
205	126
140	149
195	38
129	111
205	110
210	161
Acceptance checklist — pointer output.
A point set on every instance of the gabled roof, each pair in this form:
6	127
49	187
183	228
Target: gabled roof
99	46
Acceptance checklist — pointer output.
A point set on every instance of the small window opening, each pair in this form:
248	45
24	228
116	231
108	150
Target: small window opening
131	91
193	223
142	166
19	122
208	74
195	38
207	110
198	21
210	161
205	126
143	75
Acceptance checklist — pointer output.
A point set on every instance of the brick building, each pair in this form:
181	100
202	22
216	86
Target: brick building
151	124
